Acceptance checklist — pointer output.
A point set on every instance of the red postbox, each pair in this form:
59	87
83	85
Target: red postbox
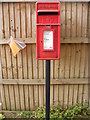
48	30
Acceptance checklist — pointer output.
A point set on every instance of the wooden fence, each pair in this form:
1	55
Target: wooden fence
23	77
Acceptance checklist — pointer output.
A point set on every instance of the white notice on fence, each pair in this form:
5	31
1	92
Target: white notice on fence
48	40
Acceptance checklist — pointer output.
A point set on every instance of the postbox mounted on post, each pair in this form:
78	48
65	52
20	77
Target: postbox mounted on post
48	30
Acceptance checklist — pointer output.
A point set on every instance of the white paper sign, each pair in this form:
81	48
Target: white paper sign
48	40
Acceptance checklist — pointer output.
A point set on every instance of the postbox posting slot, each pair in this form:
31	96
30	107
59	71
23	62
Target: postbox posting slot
48	12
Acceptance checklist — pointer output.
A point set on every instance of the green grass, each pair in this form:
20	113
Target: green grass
68	113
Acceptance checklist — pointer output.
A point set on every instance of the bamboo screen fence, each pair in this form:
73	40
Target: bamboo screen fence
23	77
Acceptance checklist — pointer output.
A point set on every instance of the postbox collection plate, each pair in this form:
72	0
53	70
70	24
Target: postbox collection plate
48	40
48	30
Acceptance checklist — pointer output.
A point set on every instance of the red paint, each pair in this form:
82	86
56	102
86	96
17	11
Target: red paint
48	14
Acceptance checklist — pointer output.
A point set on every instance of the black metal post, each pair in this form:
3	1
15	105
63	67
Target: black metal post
47	89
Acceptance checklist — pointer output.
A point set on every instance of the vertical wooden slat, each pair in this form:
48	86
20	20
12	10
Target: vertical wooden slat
14	64
11	19
44	78
30	71
84	21
62	62
41	95
17	27
23	35
28	20
33	20
45	68
82	64
0	98
61	74
26	92
55	94
56	75
1	36
12	99
36	95
3	59
12	33
9	71
29	57
65	95
1	21
68	19
24	53
51	94
86	71
23	23
6	19
70	95
0	81
72	63
8	57
88	22
61	95
17	21
73	19
35	75
14	67
8	95
17	97
31	96
41	89
82	61
73	54
22	97
77	60
85	94
35	62
67	72
25	77
80	93
63	19
67	61
56	69
72	70
9	64
19	55
3	98
44	95
79	19
77	71
75	94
